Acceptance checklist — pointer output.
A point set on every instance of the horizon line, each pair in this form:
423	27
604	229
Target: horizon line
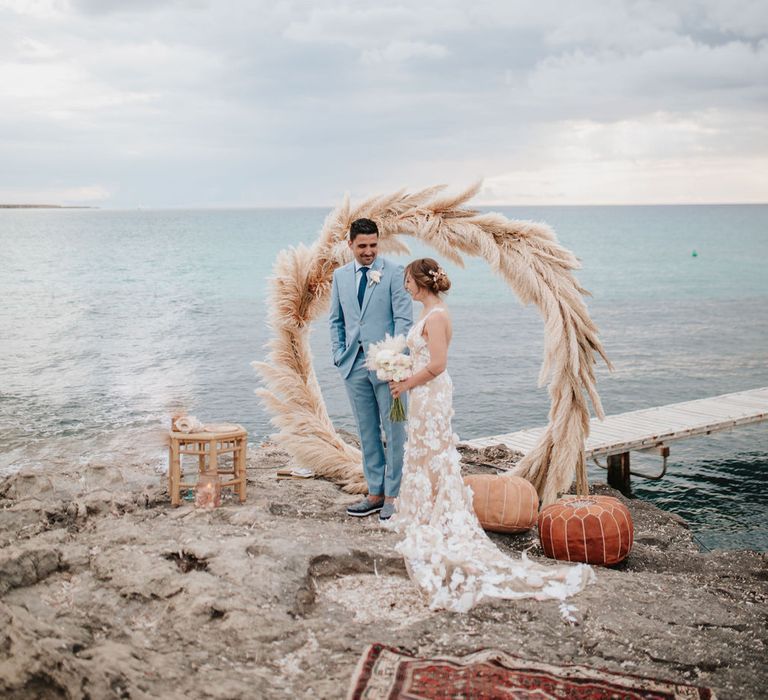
214	207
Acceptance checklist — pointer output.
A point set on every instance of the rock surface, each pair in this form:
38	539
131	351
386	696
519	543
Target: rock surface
106	591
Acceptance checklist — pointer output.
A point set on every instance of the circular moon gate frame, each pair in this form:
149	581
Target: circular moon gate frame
526	254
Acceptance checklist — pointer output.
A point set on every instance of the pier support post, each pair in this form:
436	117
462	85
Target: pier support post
618	473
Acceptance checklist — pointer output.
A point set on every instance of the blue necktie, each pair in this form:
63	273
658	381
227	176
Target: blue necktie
363	284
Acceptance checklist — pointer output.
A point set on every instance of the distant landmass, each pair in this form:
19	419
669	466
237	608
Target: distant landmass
43	206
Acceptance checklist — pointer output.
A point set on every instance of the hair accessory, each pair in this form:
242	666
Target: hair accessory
438	274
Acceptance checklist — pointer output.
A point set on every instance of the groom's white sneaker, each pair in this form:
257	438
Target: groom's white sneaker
365	507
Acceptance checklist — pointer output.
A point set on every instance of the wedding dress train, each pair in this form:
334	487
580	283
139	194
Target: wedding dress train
447	553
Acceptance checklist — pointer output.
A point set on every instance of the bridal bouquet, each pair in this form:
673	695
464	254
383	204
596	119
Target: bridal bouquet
390	363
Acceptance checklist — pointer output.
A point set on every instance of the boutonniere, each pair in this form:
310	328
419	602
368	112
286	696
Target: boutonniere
374	276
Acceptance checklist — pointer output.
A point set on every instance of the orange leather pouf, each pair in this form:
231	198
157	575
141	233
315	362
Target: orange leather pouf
503	503
591	529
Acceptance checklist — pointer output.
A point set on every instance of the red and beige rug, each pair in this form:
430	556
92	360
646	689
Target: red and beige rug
386	673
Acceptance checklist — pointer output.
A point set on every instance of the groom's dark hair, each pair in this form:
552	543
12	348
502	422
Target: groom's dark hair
362	226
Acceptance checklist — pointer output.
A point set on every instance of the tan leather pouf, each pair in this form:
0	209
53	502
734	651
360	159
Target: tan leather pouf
590	529
503	503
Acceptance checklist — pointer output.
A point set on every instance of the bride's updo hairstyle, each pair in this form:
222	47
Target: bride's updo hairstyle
427	274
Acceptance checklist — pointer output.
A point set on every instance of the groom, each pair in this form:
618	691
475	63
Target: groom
368	300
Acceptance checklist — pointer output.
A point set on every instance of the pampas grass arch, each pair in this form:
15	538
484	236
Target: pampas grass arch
526	254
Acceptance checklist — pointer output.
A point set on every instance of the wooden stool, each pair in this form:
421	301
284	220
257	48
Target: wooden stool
208	446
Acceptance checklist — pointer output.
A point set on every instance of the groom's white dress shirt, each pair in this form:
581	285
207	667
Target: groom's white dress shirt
359	274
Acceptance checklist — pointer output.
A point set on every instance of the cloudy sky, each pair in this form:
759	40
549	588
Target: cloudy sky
124	103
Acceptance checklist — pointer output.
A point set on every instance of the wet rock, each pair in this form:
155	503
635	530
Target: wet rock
26	484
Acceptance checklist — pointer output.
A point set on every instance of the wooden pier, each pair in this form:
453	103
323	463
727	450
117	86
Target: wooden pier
649	429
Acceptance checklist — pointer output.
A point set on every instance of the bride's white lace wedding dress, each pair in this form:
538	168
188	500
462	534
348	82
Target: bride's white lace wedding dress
446	551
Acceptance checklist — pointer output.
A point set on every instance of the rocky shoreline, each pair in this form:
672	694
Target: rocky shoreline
106	591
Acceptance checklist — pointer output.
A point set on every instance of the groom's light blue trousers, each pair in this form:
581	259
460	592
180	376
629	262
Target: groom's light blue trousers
371	402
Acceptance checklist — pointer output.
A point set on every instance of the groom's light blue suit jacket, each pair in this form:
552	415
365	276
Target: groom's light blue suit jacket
387	308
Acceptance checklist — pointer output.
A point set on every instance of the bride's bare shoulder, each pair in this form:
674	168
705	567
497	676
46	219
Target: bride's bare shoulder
439	318
442	312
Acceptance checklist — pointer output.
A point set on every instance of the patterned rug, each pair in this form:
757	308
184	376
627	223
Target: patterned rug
386	673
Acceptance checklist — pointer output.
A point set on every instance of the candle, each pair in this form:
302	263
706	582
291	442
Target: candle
208	492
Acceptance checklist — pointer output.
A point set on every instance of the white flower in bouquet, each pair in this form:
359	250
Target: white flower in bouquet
390	363
384	358
402	367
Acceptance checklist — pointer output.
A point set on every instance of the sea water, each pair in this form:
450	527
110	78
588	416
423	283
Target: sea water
110	320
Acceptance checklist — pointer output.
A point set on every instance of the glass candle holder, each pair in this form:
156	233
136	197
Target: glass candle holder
208	491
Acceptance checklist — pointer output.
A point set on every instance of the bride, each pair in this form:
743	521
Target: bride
446	551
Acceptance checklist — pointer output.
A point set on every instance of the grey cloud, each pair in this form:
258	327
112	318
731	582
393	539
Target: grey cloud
107	7
276	102
739	18
684	76
357	26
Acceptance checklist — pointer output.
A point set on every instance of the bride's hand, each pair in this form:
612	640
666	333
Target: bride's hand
397	388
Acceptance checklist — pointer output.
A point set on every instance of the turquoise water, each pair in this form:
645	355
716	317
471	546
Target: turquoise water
112	319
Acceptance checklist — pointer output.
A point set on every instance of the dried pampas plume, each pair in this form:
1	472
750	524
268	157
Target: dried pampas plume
526	254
